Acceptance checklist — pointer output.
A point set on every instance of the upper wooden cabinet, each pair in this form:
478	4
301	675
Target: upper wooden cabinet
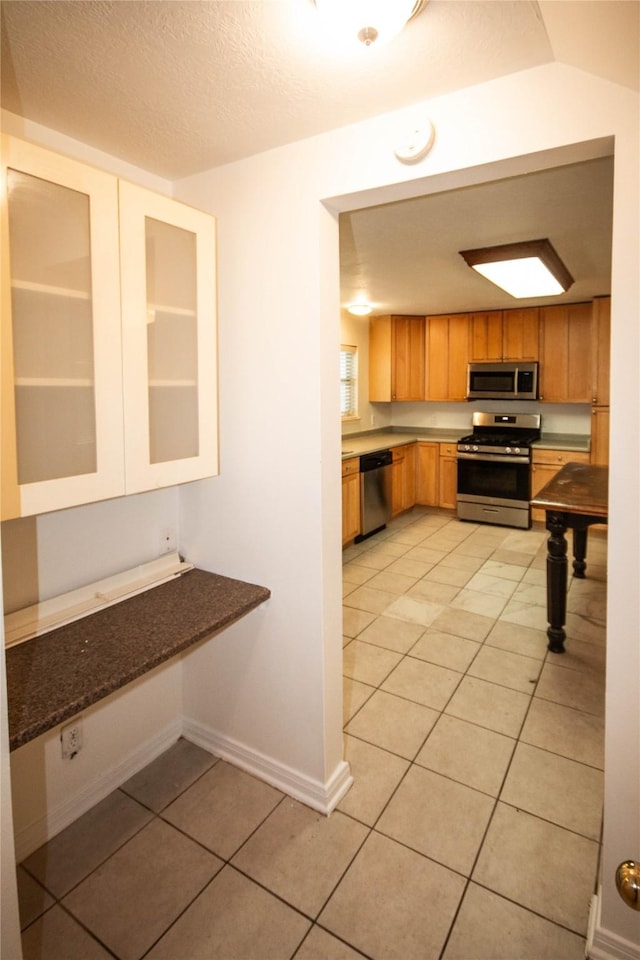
396	358
91	366
504	335
566	352
447	356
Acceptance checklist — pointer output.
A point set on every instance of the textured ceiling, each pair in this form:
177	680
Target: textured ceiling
404	257
179	86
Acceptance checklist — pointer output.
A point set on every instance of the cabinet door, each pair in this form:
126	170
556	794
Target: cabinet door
458	356
61	347
169	340
350	502
600	435
448	467
566	366
427	474
520	334
437	366
601	350
407	358
486	336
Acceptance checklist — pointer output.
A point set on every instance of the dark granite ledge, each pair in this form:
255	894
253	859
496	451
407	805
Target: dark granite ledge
53	677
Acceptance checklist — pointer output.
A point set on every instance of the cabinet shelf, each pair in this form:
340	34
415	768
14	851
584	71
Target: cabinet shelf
166	310
172	383
65	382
50	290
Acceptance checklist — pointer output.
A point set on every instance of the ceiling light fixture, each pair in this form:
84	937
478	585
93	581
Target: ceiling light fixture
360	309
531	268
368	21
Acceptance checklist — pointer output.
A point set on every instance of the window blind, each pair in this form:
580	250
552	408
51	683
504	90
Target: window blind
348	381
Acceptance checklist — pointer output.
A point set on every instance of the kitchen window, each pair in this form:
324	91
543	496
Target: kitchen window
348	382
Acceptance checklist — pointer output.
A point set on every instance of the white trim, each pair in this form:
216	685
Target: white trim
61	816
603	944
323	797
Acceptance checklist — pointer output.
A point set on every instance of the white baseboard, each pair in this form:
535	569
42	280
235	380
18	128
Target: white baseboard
61	816
603	944
320	796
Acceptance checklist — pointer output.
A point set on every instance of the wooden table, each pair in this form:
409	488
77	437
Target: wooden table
575	498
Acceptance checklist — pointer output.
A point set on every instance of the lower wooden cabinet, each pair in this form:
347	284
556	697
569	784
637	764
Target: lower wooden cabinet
403	478
350	499
545	464
600	435
427	474
448	472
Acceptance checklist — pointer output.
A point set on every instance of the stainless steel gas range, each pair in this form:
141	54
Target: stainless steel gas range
494	469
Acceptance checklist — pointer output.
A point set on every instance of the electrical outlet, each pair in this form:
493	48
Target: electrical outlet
71	739
168	540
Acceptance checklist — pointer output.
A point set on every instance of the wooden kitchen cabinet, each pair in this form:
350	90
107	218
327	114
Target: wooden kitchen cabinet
600	399
447	346
428	474
403	478
566	353
448	475
350	499
600	435
505	335
99	386
396	358
544	466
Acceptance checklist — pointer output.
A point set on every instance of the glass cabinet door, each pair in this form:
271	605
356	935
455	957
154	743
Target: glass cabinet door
60	294
169	340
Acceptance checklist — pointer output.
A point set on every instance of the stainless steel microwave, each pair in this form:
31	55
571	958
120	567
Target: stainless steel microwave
502	380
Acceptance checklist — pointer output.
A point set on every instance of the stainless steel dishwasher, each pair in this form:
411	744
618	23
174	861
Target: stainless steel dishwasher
375	492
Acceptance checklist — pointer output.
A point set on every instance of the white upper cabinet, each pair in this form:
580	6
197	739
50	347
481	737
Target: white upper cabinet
103	284
167	253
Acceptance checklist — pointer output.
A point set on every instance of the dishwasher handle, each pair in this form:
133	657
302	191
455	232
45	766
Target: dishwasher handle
373	461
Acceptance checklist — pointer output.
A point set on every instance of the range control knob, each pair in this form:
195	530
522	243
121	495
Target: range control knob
508	450
475	447
517	450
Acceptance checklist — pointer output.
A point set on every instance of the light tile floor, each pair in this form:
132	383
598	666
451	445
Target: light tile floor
472	829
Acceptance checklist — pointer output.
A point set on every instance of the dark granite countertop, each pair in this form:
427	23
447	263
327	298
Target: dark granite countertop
53	677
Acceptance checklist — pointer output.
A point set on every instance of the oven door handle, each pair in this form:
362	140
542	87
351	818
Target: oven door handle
494	458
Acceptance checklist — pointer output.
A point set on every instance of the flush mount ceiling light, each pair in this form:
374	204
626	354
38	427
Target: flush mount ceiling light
367	21
360	309
531	268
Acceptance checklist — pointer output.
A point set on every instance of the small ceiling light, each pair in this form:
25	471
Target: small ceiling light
531	268
360	309
367	21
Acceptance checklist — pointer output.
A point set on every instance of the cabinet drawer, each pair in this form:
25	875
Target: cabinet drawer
448	449
559	457
350	467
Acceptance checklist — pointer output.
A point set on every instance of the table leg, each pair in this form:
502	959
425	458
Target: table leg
556	581
579	551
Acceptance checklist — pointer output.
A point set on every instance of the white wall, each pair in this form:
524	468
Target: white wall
274	514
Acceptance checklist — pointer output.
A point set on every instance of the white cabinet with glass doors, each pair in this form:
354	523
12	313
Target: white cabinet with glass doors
108	336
